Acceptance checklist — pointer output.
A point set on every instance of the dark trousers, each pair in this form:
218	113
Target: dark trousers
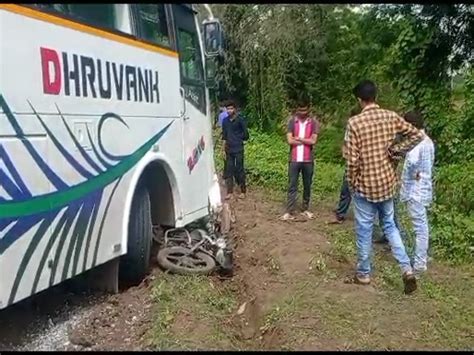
345	199
294	170
234	169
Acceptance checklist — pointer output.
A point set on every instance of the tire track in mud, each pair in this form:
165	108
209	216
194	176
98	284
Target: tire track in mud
269	254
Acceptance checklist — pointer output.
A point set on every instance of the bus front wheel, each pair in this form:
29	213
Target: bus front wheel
135	264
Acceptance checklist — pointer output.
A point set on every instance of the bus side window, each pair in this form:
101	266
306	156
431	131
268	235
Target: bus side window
152	23
100	15
191	63
61	8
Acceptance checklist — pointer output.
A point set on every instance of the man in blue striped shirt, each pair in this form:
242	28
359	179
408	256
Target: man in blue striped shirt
417	190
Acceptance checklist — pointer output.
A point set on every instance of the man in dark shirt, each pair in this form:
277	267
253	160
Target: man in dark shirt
234	133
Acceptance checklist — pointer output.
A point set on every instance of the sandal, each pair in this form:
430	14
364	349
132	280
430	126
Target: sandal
336	220
286	217
308	214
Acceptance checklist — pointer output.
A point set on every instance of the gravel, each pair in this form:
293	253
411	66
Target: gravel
46	326
54	336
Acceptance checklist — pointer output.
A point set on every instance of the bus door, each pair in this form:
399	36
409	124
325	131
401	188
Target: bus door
195	125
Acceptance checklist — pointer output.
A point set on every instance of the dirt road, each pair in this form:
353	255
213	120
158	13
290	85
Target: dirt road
288	292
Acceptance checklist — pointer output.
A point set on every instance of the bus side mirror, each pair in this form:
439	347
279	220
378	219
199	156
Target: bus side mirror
213	38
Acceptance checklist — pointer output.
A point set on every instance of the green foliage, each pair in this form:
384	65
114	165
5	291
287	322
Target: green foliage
281	50
452	216
456	141
276	51
329	145
454	187
418	64
419	87
452	234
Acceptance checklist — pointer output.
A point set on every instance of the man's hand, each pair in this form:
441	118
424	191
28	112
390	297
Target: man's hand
408	137
394	155
294	140
309	141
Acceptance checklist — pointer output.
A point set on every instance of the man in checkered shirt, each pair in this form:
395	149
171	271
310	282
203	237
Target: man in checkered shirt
371	154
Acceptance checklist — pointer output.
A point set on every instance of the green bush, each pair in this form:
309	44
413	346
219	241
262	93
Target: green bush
329	144
452	235
455	143
452	216
454	187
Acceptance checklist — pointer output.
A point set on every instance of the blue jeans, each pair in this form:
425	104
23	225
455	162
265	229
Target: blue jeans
345	199
396	200
419	219
364	212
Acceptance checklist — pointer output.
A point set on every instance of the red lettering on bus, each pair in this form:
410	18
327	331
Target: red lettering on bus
51	85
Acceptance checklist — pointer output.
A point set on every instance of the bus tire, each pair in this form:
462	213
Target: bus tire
135	264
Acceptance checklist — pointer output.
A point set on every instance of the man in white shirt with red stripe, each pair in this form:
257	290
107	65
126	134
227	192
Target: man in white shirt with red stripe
302	135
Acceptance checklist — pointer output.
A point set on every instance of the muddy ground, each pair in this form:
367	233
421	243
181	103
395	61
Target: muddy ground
289	292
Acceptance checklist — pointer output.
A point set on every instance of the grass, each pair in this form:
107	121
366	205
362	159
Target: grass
343	245
272	265
439	316
435	318
203	304
318	263
280	313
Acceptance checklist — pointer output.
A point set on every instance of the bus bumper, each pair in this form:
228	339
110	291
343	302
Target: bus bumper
215	200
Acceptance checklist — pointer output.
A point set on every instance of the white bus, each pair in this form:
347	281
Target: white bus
105	131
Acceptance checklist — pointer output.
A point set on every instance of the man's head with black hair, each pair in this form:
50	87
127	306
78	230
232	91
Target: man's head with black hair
230	107
415	118
303	100
365	92
303	105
